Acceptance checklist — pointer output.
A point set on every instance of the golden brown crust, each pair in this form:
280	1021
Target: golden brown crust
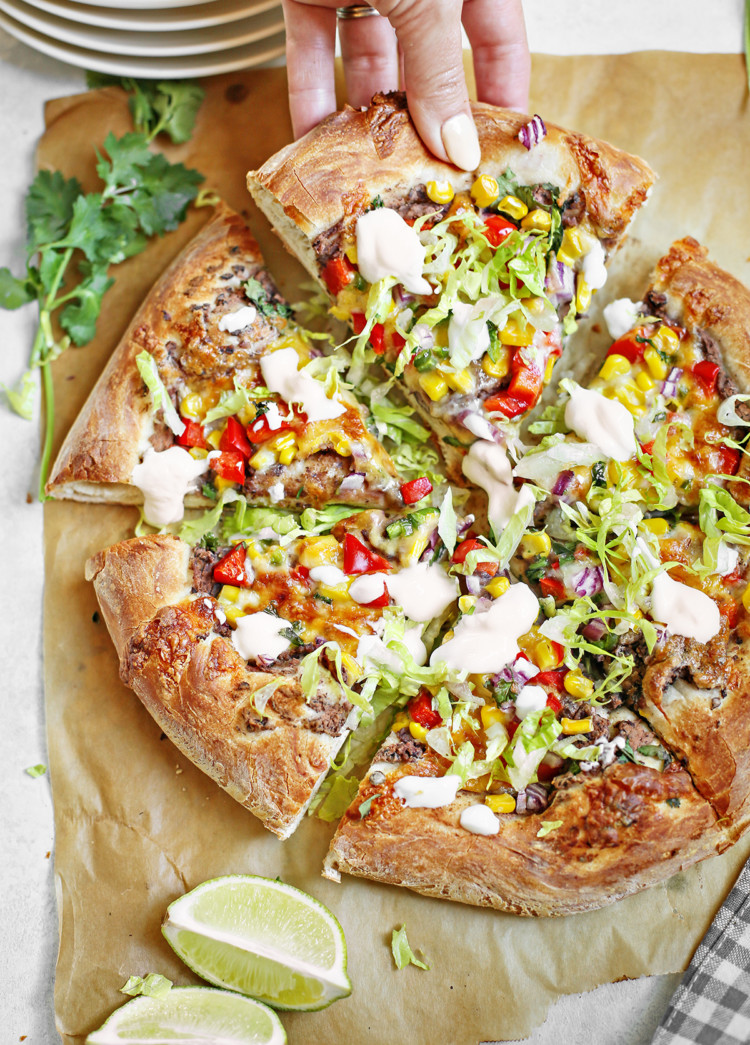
311	184
199	689
703	297
622	830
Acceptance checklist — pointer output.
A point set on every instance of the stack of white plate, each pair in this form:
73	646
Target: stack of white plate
150	38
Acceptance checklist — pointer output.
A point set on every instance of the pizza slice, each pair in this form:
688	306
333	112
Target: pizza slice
213	388
514	785
461	283
258	648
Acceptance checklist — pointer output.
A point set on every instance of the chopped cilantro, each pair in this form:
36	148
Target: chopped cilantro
257	293
365	807
360	283
537	568
209	491
626	754
322	598
210	540
653	751
157	106
598	473
673	802
376	202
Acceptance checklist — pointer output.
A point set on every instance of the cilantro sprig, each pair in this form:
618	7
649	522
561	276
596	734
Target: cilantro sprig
74	237
164	106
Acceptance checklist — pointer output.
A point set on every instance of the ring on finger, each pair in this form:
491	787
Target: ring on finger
355	11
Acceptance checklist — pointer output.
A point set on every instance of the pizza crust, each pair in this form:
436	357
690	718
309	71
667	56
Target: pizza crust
196	685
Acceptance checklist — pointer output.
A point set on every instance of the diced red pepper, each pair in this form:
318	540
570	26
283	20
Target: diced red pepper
628	346
422	711
647	448
230	465
525	387
301	573
359	559
377	339
512	726
231	569
729	579
546	772
554	702
504	404
730	460
555	678
338	273
730	610
497	228
258	431
193	435
707	374
233	438
471	544
398	340
359	322
552	586
416	489
379	603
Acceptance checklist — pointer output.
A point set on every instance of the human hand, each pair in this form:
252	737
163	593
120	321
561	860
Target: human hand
424	36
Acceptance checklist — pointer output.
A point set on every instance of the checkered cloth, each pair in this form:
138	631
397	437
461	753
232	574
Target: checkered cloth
712	1004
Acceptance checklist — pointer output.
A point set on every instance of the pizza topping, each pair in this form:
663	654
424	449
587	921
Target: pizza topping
488	641
621	316
531	698
426	792
329	575
164	479
360	559
233	322
416	489
532	133
468	333
372	649
387	246
684	610
160	399
594	270
423	591
281	375
479	820
369	589
487	466
259	636
234	568
604	422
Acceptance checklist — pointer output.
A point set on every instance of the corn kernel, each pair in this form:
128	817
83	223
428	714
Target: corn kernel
583	295
281	441
575	725
504	803
416	547
644	382
434	384
229	593
513	207
287	455
656	365
631	398
490	715
400	721
571	247
578	685
191	407
517	333
534	544
247	414
657	526
467	602
498	367
545	655
461	381
498	586
342	314
334	592
320	551
537	219
625	470
440	191
223	484
262	459
234	612
198	453
418	731
351	666
214	438
548	368
485	190
252	548
351	253
614	366
746	598
666	339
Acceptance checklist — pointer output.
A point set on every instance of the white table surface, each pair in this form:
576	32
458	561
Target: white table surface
614	1014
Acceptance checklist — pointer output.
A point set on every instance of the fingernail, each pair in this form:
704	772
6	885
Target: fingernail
461	142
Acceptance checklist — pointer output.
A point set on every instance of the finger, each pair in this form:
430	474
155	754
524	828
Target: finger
310	44
502	65
429	33
370	54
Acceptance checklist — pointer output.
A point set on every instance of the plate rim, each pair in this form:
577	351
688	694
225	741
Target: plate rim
214	14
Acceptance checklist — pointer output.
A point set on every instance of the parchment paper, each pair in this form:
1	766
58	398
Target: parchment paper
137	824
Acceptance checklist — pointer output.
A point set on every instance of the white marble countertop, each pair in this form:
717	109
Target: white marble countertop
615	1014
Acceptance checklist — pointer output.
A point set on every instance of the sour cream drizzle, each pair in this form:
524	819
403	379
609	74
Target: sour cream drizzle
367	588
257	635
486	642
164	478
372	649
604	422
684	610
387	246
487	465
479	820
423	591
281	375
426	792
232	322
620	316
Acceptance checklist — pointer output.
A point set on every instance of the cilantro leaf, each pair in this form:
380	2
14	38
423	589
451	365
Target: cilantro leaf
79	320
366	806
166	106
257	293
402	953
15	292
49	207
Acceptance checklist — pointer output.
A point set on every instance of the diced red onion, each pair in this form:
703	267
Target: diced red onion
354	481
533	132
562	483
473	585
532	799
588	581
519	672
264	661
595	630
466	524
403	297
480	426
432	542
560	282
669	388
424	335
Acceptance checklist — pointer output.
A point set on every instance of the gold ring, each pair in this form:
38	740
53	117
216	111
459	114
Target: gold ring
355	11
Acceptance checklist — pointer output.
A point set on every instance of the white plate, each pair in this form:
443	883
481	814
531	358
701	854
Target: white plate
258	53
208	12
131	5
147	45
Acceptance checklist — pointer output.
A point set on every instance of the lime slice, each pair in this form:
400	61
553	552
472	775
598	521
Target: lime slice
188	1015
262	938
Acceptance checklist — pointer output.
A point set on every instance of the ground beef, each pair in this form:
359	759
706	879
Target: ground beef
724	384
329	717
542	196
656	304
406	750
417	204
162	437
202	562
573	209
637	733
328	244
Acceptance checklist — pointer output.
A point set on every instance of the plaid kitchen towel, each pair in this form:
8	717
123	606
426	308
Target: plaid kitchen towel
712	1004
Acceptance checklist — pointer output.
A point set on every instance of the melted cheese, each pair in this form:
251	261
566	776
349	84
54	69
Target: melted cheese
479	820
387	246
233	322
620	316
604	422
684	610
423	591
257	635
281	375
164	479
487	465
486	642
426	792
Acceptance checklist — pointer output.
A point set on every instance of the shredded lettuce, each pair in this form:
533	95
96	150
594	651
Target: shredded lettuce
462	763
232	402
412	461
396	422
403	955
727	412
547	826
159	396
720	517
192	531
336	798
447	524
152	986
531	741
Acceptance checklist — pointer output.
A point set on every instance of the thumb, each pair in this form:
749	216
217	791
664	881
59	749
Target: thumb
429	35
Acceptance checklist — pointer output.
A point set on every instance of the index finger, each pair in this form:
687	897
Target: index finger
502	65
310	44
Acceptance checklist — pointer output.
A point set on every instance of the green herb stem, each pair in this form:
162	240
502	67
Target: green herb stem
48	394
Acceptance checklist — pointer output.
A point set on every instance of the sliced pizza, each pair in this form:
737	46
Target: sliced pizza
258	650
461	283
214	387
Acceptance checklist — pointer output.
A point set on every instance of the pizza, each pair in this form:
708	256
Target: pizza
213	388
462	284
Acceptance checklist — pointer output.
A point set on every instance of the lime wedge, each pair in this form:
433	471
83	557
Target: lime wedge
188	1015
262	938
